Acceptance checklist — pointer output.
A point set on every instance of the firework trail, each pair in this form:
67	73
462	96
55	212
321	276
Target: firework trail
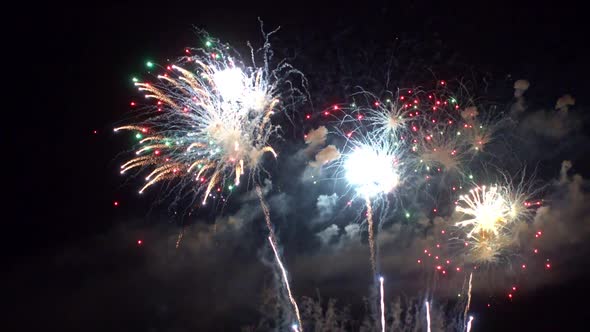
371	235
382	305
273	241
427	316
286	281
469	323
266	213
468	303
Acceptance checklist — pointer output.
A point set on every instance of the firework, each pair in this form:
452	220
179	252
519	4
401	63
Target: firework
372	168
441	146
382	118
492	216
210	122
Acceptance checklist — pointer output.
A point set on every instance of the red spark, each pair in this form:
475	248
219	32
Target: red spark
95	132
524	266
489	305
510	296
335	107
116	203
139	242
514	288
444	272
419	261
308	116
434	210
376	103
547	266
536	251
326	113
458	269
438	267
132	103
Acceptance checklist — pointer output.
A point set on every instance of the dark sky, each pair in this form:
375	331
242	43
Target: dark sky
73	260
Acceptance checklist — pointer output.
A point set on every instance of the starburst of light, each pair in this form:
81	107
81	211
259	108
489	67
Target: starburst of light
211	120
372	168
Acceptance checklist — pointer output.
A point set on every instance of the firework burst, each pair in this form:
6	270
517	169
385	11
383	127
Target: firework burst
211	119
491	219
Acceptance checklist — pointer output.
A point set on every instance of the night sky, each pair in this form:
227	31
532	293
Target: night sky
74	261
